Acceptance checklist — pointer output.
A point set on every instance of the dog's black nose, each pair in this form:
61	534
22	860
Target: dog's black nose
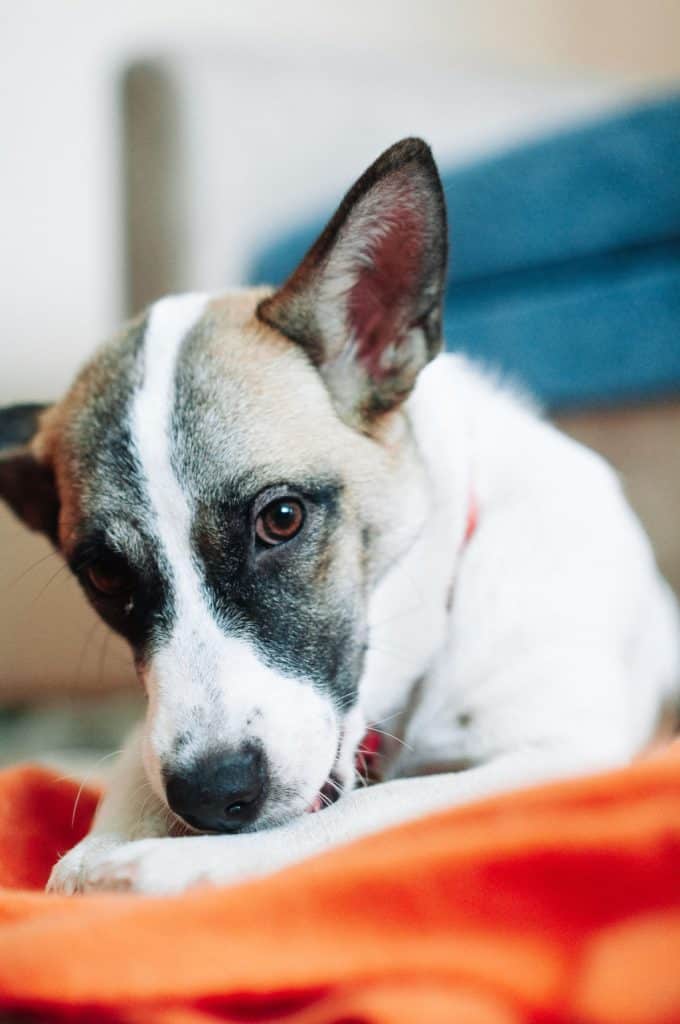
221	792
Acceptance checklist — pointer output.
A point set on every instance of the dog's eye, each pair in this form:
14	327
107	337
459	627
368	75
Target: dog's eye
110	577
279	521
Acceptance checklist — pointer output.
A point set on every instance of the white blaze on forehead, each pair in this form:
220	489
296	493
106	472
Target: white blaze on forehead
170	321
181	674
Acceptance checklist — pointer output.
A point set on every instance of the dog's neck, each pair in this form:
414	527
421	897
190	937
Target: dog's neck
408	610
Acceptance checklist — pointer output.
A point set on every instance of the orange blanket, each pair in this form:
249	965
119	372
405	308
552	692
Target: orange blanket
559	904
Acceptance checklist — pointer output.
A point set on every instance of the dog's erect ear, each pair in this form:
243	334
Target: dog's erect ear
366	301
26	484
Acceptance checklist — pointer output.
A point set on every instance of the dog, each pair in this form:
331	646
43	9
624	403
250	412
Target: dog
336	553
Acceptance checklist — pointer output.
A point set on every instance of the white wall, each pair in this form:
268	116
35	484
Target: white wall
59	199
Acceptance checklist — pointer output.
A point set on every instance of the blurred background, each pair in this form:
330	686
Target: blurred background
158	146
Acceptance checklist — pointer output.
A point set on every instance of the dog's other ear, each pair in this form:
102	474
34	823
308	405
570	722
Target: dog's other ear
26	484
366	301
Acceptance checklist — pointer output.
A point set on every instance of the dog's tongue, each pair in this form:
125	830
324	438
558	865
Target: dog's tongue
316	804
367	755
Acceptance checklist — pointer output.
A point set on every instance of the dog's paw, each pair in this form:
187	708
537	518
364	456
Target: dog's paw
151	866
70	874
122	868
172	865
103	864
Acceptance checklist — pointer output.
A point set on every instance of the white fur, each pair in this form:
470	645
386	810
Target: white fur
562	633
560	648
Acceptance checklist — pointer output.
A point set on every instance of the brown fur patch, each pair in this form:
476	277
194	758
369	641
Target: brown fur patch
56	442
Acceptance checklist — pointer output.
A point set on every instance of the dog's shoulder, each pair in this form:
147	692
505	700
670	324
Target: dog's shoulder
475	425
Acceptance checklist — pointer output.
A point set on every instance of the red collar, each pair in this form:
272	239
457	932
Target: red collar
367	760
369	750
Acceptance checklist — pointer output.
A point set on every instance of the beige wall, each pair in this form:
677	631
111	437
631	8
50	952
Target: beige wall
640	38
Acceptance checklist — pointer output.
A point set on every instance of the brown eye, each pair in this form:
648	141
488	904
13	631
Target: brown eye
279	521
109	577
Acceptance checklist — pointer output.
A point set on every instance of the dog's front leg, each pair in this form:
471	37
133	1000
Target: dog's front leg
171	865
129	811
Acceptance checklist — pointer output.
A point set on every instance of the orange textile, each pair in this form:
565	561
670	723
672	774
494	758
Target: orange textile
557	904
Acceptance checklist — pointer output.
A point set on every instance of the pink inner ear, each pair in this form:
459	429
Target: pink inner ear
382	300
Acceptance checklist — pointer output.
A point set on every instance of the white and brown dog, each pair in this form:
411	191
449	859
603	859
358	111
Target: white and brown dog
306	525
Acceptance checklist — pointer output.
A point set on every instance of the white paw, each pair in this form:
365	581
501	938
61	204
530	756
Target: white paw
126	868
171	865
69	875
105	865
155	866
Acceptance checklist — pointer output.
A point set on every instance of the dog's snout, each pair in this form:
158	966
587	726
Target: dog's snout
222	792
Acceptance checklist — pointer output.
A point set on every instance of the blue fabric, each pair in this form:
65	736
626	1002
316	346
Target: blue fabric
565	259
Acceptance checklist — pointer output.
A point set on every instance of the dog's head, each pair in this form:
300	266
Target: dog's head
230	477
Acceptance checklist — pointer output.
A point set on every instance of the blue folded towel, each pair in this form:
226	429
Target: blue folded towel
565	259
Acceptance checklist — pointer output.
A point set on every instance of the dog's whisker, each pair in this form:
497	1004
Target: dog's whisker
102	655
83	651
346	704
390	735
143	787
145	803
387	718
34	565
87	779
32	604
169	819
71	777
